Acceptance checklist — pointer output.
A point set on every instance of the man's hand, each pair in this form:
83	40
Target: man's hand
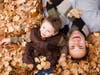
76	13
62	58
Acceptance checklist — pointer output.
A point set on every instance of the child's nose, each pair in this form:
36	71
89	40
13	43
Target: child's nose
44	31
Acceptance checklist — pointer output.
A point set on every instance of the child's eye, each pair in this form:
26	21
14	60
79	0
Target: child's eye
43	27
48	31
72	47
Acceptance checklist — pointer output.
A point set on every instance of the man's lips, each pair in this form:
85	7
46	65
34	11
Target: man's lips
77	37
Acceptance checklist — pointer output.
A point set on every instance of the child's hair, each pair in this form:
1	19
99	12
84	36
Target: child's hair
55	21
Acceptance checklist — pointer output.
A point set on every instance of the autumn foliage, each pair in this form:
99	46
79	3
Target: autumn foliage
17	18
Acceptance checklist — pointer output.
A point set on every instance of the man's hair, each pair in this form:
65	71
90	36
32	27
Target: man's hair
55	21
74	28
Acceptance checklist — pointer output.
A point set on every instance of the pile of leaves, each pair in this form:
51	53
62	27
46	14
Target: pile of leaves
17	18
90	65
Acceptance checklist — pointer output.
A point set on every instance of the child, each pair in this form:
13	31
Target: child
46	46
46	41
52	7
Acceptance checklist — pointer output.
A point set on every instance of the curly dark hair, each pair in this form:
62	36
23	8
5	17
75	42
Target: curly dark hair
55	21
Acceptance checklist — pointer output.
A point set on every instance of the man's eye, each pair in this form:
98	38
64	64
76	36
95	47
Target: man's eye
81	47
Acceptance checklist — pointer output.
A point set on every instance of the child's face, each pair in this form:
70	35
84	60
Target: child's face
77	45
46	29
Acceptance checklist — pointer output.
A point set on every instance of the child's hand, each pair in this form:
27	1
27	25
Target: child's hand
76	13
5	41
47	66
44	4
30	66
50	2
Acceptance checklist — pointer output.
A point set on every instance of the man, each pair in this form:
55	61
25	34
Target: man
77	42
89	11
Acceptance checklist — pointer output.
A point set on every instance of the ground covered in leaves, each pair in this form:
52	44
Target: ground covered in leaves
17	18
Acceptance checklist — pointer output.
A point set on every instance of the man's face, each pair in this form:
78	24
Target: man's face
77	45
46	29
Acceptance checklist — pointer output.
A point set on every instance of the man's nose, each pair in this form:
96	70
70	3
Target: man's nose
76	42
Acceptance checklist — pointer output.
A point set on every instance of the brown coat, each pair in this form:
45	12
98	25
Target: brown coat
47	44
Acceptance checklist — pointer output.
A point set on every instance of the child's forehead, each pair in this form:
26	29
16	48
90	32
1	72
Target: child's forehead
48	26
47	23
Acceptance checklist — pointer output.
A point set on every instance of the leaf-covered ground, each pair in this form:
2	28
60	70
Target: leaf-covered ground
17	17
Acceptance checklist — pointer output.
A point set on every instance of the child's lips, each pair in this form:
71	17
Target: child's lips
43	35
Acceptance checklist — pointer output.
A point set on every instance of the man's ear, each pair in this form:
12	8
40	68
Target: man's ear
86	42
